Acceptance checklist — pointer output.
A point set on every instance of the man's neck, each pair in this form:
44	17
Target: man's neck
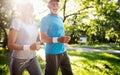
54	14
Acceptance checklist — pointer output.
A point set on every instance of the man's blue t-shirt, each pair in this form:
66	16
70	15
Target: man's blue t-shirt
54	27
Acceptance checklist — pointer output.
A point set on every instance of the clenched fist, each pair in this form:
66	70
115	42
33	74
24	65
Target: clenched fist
35	46
64	39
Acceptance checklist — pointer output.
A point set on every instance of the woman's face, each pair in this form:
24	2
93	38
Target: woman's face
27	10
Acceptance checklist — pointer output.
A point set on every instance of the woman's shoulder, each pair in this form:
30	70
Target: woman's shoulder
16	20
35	22
15	24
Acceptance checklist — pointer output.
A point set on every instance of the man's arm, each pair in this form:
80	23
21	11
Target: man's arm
45	38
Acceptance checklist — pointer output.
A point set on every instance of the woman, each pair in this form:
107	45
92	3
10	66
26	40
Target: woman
22	40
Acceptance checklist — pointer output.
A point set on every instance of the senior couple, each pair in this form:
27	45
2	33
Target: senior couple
22	40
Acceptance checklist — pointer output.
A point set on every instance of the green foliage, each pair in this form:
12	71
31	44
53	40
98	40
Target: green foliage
3	69
99	20
4	61
6	14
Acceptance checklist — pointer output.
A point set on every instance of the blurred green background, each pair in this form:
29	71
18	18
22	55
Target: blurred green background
97	20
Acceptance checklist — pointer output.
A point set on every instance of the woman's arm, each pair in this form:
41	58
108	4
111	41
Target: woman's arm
12	40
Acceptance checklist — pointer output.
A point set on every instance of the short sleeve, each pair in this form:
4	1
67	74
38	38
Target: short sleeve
44	25
15	24
61	18
35	24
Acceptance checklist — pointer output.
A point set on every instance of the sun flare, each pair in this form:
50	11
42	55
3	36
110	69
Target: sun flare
40	8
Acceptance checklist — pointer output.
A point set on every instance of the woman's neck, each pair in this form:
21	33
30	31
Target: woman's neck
27	20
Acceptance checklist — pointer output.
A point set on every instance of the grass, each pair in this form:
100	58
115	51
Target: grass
83	63
91	63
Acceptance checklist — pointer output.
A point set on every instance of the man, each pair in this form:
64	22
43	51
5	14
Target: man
52	33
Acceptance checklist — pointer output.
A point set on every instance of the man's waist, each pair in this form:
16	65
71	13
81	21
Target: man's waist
56	53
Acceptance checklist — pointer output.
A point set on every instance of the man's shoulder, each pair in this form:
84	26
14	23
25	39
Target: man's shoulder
45	17
61	17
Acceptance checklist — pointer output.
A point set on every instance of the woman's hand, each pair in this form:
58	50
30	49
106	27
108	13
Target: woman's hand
35	46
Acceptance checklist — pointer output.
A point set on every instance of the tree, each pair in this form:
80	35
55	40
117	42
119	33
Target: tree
6	14
98	20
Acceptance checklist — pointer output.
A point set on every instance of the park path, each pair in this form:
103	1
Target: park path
41	52
93	50
90	49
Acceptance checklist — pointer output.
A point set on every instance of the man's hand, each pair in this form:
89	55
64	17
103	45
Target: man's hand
35	46
64	39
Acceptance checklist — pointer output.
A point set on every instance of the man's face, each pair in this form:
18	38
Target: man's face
54	7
